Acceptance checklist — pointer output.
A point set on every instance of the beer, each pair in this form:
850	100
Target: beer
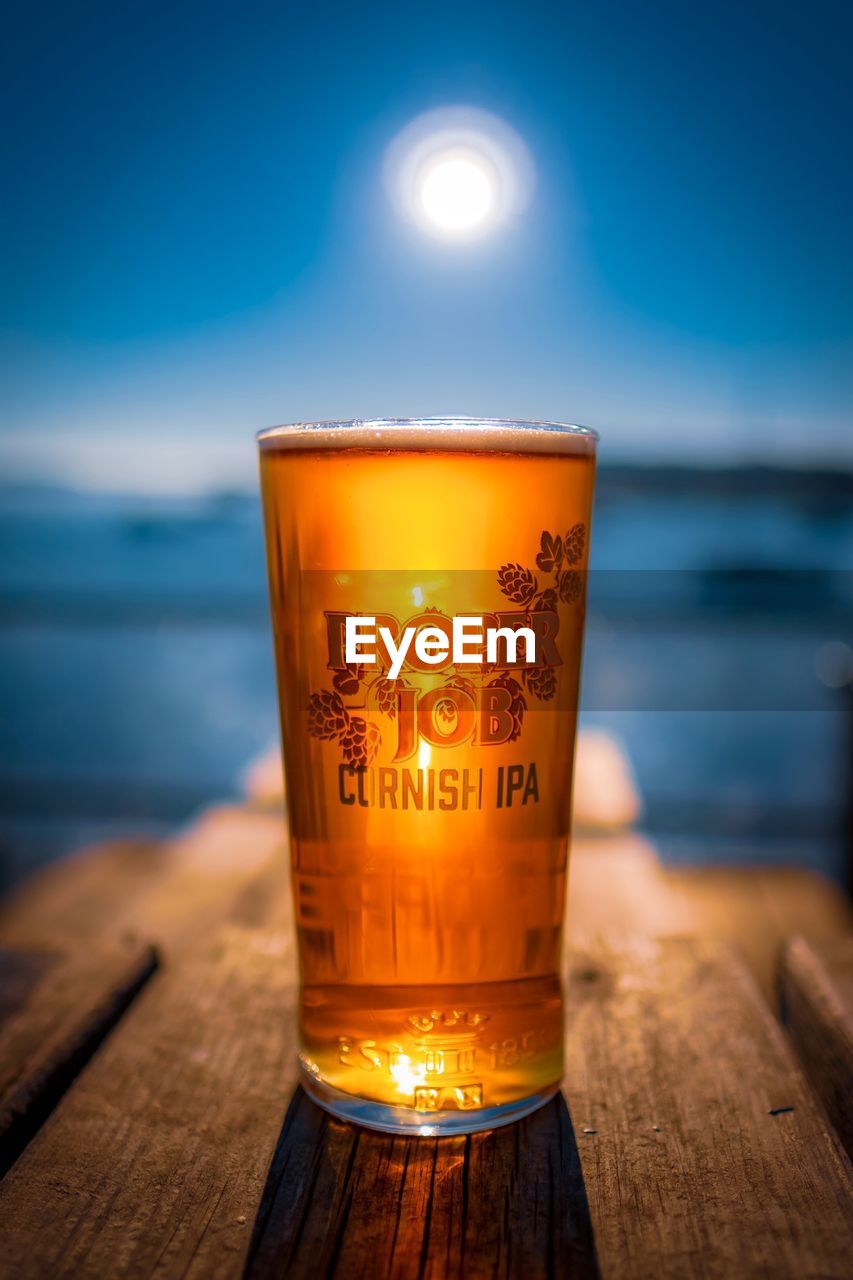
429	806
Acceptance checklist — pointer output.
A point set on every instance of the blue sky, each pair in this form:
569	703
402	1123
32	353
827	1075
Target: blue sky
196	240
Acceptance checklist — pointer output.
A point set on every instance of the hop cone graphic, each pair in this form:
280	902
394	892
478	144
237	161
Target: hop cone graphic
517	706
573	543
346	682
571	586
547	600
360	742
542	682
386	695
327	715
551	552
517	583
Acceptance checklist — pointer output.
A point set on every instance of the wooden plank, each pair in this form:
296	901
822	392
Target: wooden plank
80	893
756	909
618	887
226	866
154	1162
817	996
229	865
341	1201
703	1151
56	1006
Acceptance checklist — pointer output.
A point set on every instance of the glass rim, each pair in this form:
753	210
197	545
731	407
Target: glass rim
451	430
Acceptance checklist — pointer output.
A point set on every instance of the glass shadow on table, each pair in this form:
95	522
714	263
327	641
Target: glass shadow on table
343	1200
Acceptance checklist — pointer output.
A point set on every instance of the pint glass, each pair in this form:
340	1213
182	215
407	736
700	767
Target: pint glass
428	783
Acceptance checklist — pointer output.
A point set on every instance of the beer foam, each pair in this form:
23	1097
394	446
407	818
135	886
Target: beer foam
421	435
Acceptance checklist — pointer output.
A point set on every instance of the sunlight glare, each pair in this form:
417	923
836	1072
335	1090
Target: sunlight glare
457	192
458	173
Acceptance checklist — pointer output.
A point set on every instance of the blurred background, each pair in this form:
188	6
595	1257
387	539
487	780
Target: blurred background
209	226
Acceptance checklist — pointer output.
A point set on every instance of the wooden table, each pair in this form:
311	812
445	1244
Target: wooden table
149	1125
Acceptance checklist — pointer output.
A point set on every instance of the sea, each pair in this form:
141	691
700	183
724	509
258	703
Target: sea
137	684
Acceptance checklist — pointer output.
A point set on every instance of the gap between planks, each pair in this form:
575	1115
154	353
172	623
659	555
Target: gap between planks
56	1007
817	996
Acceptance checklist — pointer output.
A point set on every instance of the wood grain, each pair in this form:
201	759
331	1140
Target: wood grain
618	888
229	865
56	1006
756	910
155	1161
347	1202
817	994
703	1151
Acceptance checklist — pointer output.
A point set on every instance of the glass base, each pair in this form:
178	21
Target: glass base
419	1124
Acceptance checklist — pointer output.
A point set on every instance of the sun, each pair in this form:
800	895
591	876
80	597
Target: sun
458	191
458	173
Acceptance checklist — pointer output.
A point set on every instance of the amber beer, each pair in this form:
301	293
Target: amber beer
429	813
